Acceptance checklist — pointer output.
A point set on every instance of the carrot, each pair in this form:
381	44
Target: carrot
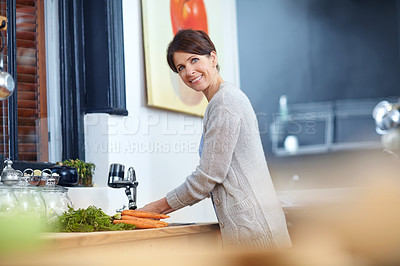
143	214
141	222
156	222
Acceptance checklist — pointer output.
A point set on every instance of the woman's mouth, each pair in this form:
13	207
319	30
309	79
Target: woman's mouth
196	79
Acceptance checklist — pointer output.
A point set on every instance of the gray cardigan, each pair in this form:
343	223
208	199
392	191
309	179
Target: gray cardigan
234	171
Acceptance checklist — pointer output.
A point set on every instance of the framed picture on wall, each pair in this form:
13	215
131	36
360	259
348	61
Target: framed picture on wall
161	20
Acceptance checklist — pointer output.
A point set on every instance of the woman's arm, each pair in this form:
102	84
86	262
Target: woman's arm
159	206
219	142
220	138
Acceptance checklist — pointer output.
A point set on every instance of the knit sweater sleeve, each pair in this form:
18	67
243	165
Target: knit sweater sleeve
220	138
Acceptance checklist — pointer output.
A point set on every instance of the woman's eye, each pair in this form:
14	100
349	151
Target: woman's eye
194	60
180	68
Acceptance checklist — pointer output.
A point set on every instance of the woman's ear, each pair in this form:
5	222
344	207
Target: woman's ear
214	58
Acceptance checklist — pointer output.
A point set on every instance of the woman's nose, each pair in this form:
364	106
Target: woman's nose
189	71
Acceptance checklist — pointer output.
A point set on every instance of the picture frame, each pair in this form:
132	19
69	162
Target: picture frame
165	89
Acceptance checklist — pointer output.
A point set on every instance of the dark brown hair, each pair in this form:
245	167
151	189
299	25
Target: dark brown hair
189	41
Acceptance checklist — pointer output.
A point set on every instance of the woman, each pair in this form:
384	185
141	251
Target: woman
232	168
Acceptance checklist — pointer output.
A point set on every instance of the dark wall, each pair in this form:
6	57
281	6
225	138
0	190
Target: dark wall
316	50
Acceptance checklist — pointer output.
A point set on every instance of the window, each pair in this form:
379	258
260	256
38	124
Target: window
30	94
92	66
91	69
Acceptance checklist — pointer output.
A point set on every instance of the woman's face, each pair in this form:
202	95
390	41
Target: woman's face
197	71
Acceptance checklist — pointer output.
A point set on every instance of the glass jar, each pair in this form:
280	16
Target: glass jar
56	199
31	202
8	202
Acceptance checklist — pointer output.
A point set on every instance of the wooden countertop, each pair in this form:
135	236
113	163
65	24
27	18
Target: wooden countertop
137	247
76	240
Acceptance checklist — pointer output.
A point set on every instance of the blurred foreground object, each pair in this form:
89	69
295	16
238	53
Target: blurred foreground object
387	120
387	116
361	230
391	141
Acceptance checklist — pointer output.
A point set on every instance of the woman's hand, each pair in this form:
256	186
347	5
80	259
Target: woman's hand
159	206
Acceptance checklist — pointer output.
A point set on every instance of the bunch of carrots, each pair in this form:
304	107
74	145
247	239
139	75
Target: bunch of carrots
142	219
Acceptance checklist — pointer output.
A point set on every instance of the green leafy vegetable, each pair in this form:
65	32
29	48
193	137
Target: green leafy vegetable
91	219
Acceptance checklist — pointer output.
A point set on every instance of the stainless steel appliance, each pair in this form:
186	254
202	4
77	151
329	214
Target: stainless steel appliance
116	179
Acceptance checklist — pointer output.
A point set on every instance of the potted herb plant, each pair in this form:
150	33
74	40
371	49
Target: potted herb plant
85	171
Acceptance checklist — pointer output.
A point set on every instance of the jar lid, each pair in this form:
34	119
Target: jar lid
10	176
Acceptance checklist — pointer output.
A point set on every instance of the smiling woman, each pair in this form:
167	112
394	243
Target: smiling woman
197	71
232	168
195	61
